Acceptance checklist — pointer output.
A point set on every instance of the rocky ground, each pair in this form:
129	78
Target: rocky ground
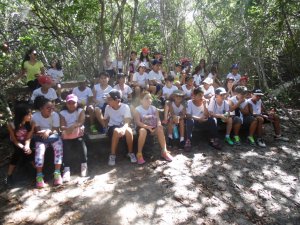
239	185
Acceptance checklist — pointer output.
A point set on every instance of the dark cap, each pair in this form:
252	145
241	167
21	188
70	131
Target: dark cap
235	66
257	91
241	90
115	94
155	61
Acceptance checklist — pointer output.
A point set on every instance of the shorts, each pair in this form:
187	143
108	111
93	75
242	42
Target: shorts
110	131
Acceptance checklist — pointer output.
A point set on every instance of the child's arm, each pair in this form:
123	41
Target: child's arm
28	139
13	137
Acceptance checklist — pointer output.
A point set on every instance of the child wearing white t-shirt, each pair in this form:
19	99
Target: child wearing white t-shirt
45	90
72	127
188	87
124	89
207	88
139	80
117	117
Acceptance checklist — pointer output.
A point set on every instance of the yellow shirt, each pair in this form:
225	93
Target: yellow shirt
31	70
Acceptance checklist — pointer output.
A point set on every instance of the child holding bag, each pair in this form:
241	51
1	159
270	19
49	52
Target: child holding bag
71	124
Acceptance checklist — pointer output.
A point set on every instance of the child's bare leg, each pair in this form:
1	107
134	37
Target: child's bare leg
259	128
129	139
99	116
141	140
276	125
228	126
114	142
181	128
161	137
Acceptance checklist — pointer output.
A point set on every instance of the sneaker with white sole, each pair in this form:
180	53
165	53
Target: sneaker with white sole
66	175
132	157
84	169
281	138
112	160
261	143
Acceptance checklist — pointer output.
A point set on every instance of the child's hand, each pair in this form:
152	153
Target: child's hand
27	150
164	121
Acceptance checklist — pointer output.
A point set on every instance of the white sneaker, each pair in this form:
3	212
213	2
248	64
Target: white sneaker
261	143
66	175
84	169
132	157
281	138
112	160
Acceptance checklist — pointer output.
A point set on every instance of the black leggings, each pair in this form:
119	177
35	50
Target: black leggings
74	147
19	154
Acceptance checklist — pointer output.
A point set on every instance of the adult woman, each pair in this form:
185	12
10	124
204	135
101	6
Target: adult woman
32	68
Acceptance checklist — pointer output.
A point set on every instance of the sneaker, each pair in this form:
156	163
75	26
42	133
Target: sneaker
112	160
237	140
251	140
84	169
66	175
132	157
140	159
40	182
181	145
93	129
57	179
228	141
188	145
167	156
280	138
261	143
170	142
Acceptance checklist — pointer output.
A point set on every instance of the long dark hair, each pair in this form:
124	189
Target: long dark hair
58	64
142	57
26	56
22	110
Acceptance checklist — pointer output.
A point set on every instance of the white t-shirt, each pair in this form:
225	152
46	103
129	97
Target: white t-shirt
84	95
51	94
197	79
194	110
210	75
125	92
101	94
46	123
116	117
55	75
71	118
218	109
177	110
141	79
108	65
158	77
188	93
118	64
168	91
147	64
242	105
256	107
210	90
236	77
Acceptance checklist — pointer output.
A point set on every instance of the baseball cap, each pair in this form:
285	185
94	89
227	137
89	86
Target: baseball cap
155	61
230	77
44	80
208	80
257	91
220	91
81	78
241	90
72	97
178	93
142	65
245	78
115	94
235	66
145	50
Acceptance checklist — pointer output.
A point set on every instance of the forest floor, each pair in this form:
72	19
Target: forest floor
238	185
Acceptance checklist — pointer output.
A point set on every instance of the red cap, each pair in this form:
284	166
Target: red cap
245	78
44	80
145	50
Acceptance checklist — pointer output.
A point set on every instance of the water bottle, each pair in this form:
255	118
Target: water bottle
175	132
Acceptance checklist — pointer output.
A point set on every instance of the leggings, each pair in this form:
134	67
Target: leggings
209	125
19	154
74	147
40	149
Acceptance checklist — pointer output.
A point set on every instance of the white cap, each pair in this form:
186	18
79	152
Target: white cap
142	64
208	80
220	91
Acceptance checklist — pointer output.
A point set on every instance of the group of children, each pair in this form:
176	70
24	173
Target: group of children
187	101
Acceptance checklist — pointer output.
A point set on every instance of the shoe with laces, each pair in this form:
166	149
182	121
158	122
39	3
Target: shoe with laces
140	159
132	157
261	143
251	140
229	141
57	179
93	129
112	160
237	140
84	169
280	138
40	181
167	156
66	175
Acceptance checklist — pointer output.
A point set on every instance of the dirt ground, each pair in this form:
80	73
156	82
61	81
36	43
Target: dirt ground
239	185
